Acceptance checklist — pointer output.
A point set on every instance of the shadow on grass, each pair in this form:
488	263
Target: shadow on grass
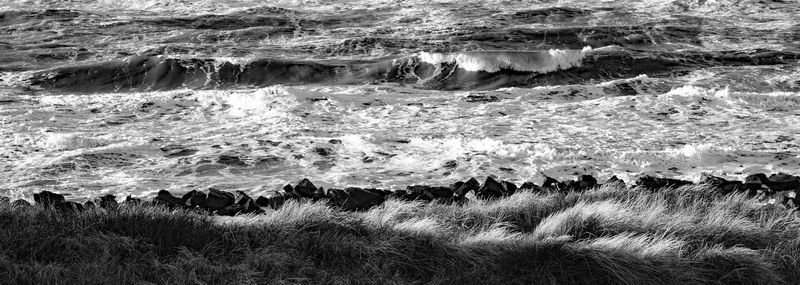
604	236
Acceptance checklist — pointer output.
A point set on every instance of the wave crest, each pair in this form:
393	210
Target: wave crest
494	61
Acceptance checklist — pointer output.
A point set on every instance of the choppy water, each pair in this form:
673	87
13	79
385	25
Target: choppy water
129	97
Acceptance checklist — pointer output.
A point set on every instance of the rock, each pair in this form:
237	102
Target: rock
658	183
47	198
550	183
288	188
530	186
20	203
108	201
319	194
167	199
354	199
491	189
248	204
305	188
756	184
615	182
132	200
431	192
471	185
89	204
68	207
783	182
217	199
273	200
509	187
721	185
586	182
198	199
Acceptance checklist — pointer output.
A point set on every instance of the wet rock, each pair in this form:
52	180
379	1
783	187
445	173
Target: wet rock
530	186
68	207
108	201
288	188
20	203
198	199
658	183
491	189
231	161
167	199
471	185
615	182
586	182
89	204
756	184
509	187
432	192
354	199
550	183
249	205
720	184
132	200
217	199
783	182
273	200
305	188
47	198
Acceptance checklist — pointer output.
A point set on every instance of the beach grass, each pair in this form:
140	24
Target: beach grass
608	235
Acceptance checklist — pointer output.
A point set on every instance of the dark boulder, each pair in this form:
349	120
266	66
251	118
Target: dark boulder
530	186
218	199
198	199
273	200
89	204
783	182
432	192
21	203
586	182
354	199
614	181
491	189
47	198
510	187
247	203
471	185
658	183
721	185
167	199
288	188
550	183
132	200
305	188
756	184
108	201
68	207
416	193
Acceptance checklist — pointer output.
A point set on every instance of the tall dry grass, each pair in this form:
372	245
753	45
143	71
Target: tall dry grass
604	236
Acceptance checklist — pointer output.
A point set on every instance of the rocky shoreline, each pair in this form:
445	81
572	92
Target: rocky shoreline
776	189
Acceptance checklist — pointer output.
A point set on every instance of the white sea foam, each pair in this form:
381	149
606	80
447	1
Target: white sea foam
493	61
67	141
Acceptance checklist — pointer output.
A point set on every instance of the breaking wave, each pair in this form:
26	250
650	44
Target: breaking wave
443	71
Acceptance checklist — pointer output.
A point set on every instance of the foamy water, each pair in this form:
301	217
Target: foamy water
241	96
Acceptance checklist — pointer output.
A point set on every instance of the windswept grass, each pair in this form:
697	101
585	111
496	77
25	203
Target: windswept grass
605	236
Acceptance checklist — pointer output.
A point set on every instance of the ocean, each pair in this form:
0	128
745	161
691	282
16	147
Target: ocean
131	97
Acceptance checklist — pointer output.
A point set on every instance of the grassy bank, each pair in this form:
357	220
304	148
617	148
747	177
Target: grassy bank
604	236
